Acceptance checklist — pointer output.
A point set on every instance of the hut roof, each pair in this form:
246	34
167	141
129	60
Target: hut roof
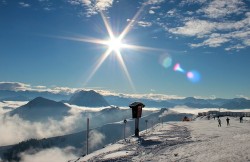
136	104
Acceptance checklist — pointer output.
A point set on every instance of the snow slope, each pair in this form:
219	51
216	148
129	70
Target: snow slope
196	141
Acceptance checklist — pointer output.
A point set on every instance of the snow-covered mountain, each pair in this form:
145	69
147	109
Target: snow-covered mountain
88	99
40	109
240	103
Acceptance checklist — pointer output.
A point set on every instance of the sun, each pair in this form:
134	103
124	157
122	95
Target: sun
115	44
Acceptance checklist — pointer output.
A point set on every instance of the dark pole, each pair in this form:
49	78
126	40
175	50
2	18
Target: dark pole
161	122
124	130
146	126
87	136
125	121
137	127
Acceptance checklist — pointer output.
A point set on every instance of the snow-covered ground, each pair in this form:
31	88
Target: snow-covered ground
196	141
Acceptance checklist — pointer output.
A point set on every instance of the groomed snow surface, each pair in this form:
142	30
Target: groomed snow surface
196	141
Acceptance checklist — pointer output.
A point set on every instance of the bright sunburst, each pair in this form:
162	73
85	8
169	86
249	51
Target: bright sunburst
115	45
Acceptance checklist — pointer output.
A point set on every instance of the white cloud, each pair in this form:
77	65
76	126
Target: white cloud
194	28
14	86
151	12
188	2
17	86
212	42
243	35
64	90
222	8
51	154
235	47
208	97
40	87
171	13
93	6
151	96
247	42
230	31
144	23
86	2
22	4
7	106
155	7
74	2
185	109
103	4
95	138
16	129
153	2
230	18
166	112
190	12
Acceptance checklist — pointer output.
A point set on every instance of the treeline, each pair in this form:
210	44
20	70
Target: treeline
30	146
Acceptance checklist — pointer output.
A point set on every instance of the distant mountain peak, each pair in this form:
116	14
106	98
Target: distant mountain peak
88	98
43	102
40	109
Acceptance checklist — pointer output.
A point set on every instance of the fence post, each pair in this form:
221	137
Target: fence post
87	135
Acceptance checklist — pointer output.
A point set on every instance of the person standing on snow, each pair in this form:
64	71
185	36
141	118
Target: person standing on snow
227	121
219	122
241	119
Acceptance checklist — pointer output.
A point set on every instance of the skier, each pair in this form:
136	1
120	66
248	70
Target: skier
227	121
241	119
219	122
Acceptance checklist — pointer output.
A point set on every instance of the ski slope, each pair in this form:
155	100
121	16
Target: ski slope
196	141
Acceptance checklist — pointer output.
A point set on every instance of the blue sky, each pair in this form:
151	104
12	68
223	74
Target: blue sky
209	40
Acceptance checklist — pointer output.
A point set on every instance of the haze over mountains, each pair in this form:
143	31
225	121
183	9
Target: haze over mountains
86	98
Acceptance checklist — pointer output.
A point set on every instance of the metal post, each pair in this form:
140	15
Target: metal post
137	127
87	136
161	122
146	126
125	121
124	131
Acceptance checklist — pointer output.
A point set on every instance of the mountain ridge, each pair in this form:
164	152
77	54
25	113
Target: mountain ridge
88	99
40	109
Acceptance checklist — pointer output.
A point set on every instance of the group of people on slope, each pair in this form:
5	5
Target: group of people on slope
227	119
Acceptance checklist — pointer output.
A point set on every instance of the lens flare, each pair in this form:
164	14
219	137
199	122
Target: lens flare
166	61
177	67
193	76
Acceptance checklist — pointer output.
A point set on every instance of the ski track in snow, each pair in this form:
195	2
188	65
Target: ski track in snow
196	141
